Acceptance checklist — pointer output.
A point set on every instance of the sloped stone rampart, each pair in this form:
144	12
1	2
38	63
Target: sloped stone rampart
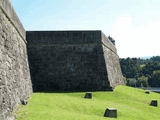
15	82
72	61
112	62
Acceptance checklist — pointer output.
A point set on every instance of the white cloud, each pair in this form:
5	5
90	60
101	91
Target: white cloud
138	41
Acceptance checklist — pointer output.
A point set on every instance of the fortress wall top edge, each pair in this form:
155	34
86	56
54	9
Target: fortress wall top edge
63	31
107	43
9	11
70	37
64	37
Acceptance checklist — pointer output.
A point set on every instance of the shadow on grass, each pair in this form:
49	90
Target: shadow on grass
70	91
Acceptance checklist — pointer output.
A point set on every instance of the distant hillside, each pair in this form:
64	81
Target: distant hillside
146	57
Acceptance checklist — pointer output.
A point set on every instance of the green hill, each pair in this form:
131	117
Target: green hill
131	104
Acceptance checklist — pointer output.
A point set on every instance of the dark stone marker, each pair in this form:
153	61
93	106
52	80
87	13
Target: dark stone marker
154	103
88	95
147	91
24	102
111	112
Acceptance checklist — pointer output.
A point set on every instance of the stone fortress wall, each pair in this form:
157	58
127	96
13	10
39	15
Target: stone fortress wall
72	61
113	69
15	82
58	60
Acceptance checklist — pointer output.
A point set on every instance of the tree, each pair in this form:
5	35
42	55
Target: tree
131	82
154	80
142	81
155	58
130	67
141	69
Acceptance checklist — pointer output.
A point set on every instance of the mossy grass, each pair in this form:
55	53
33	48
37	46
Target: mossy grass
131	104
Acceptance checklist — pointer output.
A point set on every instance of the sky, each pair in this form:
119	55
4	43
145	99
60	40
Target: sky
134	24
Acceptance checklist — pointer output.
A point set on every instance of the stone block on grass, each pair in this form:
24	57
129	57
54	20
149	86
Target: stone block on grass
111	112
154	103
88	95
147	91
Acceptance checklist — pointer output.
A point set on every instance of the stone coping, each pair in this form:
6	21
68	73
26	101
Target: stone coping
73	37
10	13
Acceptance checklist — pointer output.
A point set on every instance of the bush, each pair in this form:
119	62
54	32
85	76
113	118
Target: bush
131	82
142	81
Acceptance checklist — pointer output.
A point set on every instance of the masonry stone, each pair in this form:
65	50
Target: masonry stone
72	61
15	81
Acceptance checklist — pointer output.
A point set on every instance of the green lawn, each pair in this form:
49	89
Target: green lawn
131	104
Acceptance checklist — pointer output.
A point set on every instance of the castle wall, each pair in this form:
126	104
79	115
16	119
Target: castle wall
15	83
71	61
112	62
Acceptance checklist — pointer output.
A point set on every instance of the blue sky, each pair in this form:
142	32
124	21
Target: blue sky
134	24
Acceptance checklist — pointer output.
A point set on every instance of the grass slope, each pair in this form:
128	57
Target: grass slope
131	104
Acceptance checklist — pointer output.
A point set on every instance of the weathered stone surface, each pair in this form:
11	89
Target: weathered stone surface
11	14
72	61
112	62
15	82
111	112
